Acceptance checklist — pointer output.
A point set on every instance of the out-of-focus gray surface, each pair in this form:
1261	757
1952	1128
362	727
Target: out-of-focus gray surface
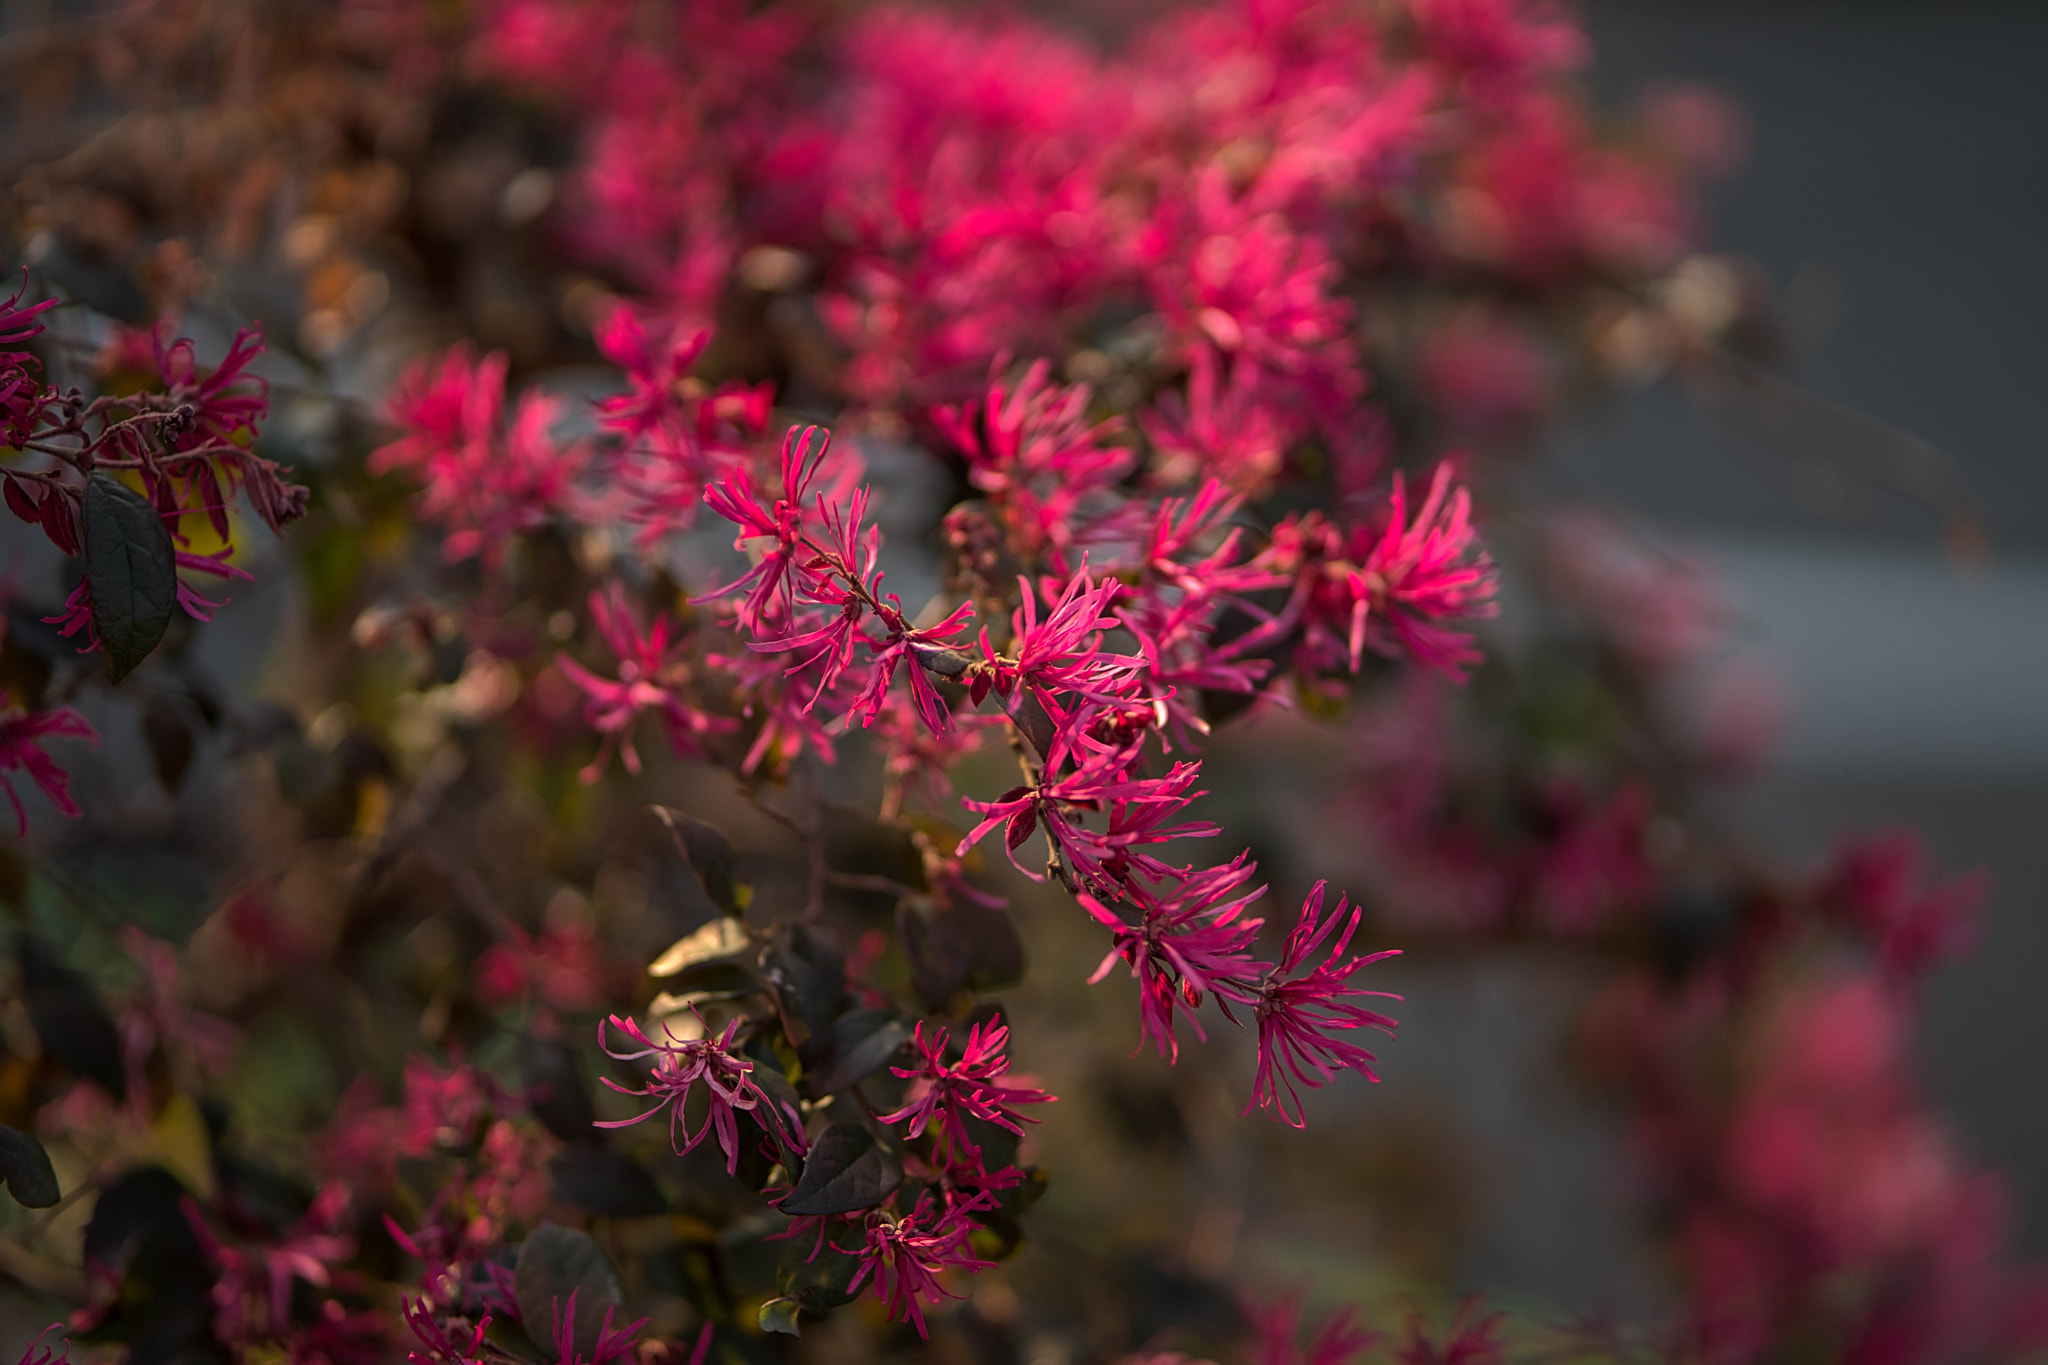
1896	174
1899	155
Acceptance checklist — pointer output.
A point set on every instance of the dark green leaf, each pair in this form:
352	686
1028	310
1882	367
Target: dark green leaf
131	573
1022	1195
555	1092
170	740
69	1019
958	947
809	980
143	1207
25	1167
606	1182
846	1170
768	1075
862	1040
555	1262
997	1145
140	1237
709	854
816	1281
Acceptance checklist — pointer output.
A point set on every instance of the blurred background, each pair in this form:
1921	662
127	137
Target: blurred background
1895	190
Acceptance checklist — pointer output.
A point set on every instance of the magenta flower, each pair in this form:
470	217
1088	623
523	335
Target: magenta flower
1187	944
951	1092
22	393
916	644
789	724
77	618
1099	780
1876	884
653	375
1336	1342
36	1353
680	434
1036	455
21	746
19	322
842	576
444	1340
904	1257
771	584
678	1068
227	398
1297	1018
852	552
1062	653
486	480
651	677
611	1342
201	608
1423	573
1396	590
252	1297
1237	435
1472	1337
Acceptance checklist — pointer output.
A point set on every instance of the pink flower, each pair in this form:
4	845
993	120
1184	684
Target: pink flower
21	746
444	1339
1235	433
1336	1342
1061	654
679	434
226	399
202	608
1395	590
842	576
1189	942
77	617
1876	885
562	966
23	396
651	678
904	1257
1229	274
1033	450
442	1109
951	1092
771	583
19	323
36	1353
680	1065
485	480
1100	779
611	1342
1420	574
1472	1337
1297	1017
253	1295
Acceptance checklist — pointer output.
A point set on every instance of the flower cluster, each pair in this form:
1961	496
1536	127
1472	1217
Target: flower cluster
1094	724
140	483
1163	377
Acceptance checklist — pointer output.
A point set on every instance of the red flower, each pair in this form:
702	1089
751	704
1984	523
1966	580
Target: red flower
679	1066
1296	1018
21	736
904	1257
650	679
611	1342
951	1092
1188	943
